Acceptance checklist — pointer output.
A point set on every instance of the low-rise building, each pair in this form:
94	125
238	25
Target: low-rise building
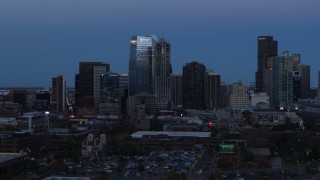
7	159
8	122
91	146
268	117
261	157
173	140
231	153
33	121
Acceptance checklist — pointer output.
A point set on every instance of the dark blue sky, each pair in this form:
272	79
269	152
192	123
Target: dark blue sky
40	39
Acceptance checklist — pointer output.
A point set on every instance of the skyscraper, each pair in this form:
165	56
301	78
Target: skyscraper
58	94
212	90
176	89
267	48
88	96
194	85
123	91
282	79
109	88
141	59
162	70
304	70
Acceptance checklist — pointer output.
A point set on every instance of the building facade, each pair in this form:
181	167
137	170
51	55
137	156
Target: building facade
58	94
212	90
141	57
194	85
176	89
239	95
87	85
267	47
162	70
304	70
282	79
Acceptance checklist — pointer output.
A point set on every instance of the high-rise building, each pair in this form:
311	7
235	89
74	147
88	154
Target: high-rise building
224	94
123	91
20	97
42	101
267	47
97	72
58	94
176	89
141	59
194	85
88	92
109	88
212	90
162	70
282	79
296	86
304	70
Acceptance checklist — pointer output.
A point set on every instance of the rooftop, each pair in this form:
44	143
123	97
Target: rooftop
9	156
260	151
140	134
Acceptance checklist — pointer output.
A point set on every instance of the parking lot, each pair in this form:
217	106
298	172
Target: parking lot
155	165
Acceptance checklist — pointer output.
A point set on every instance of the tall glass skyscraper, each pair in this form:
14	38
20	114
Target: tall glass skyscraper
282	79
162	70
142	52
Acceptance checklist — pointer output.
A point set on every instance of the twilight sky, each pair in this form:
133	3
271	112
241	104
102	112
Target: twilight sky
40	39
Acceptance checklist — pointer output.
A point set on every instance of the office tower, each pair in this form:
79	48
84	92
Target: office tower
194	85
176	89
123	85
58	94
162	70
304	70
141	59
97	72
89	84
267	48
148	100
212	90
239	95
42	101
109	95
296	85
20	97
282	79
296	58
109	88
224	95
123	91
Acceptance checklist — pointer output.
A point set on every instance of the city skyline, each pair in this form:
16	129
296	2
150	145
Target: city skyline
40	40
